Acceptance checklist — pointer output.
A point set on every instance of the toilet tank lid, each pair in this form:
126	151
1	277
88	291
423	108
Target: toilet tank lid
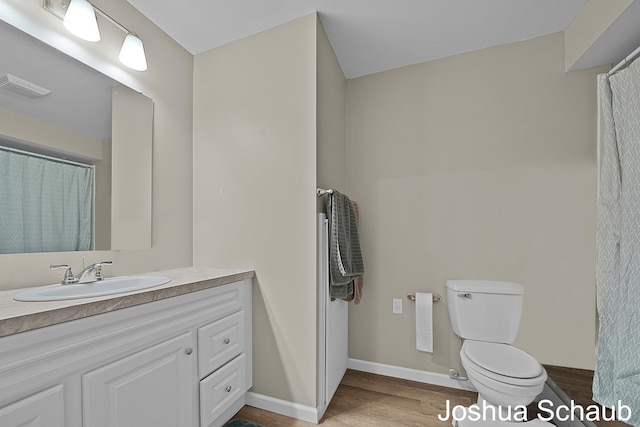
485	286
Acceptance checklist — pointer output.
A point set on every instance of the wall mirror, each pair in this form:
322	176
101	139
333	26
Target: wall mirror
84	118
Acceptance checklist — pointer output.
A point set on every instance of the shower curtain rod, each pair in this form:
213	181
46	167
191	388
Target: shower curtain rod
624	62
44	156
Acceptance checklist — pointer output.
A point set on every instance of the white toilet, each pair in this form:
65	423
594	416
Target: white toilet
486	315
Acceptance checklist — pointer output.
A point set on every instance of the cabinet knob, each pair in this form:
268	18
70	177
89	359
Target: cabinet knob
227	340
228	388
188	351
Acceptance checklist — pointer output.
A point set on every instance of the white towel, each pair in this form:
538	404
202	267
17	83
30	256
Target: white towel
424	321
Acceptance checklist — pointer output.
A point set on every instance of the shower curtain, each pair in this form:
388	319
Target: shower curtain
617	373
45	205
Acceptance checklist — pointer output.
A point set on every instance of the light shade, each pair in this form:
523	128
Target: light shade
80	20
132	53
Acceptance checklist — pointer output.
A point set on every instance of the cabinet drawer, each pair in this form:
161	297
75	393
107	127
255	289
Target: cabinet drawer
220	390
219	342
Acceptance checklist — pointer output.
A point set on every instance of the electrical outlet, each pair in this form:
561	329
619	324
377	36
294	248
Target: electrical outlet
397	306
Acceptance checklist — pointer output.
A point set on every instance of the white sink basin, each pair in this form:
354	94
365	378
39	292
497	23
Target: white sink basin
110	286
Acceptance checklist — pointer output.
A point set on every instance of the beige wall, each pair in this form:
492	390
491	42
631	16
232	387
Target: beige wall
103	199
592	21
169	83
331	130
254	191
50	136
331	117
132	151
476	166
269	127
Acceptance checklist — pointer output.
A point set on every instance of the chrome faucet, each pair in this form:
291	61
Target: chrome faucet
93	273
68	278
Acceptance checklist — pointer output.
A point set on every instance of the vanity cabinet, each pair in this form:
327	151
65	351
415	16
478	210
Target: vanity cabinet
222	360
182	361
40	409
219	389
151	387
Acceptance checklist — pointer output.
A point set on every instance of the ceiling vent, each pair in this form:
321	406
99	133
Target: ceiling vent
22	87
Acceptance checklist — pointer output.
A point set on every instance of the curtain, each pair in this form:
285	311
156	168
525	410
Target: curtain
46	205
617	373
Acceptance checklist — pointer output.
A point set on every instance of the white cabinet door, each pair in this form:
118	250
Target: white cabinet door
153	387
42	409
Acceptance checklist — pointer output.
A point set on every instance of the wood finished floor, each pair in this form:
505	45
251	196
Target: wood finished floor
364	400
368	400
576	383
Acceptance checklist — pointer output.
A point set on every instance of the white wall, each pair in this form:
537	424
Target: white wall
476	166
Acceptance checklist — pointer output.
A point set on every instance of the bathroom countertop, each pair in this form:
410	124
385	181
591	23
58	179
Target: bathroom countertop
17	316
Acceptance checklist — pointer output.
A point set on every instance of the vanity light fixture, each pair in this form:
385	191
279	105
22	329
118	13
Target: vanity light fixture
81	21
132	53
79	17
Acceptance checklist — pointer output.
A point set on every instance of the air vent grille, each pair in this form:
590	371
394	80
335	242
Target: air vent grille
22	87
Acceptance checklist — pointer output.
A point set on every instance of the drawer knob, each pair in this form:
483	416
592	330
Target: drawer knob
188	351
227	340
228	388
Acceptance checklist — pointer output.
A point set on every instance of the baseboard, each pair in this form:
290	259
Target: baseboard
283	407
408	374
312	415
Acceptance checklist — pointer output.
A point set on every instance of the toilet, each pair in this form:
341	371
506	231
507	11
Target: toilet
486	315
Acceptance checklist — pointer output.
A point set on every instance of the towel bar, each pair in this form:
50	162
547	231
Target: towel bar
436	298
322	191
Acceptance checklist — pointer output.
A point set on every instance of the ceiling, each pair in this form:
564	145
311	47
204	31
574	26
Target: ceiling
80	97
368	36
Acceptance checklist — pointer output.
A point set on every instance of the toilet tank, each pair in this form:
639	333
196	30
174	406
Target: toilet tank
484	310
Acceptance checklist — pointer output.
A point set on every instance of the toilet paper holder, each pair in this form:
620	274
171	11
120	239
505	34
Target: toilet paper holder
435	297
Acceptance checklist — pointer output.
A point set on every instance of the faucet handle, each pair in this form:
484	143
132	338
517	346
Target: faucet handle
98	266
68	278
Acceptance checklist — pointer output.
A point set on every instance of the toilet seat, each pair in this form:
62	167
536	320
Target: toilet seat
503	363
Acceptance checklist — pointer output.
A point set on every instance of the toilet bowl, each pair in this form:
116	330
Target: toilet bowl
486	315
502	374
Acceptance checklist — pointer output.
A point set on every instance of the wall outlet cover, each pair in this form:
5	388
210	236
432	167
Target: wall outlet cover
397	306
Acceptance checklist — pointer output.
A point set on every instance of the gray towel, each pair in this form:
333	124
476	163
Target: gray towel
345	257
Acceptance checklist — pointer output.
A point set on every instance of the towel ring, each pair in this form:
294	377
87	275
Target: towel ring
435	298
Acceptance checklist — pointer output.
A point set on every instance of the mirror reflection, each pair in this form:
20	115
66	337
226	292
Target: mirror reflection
56	111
